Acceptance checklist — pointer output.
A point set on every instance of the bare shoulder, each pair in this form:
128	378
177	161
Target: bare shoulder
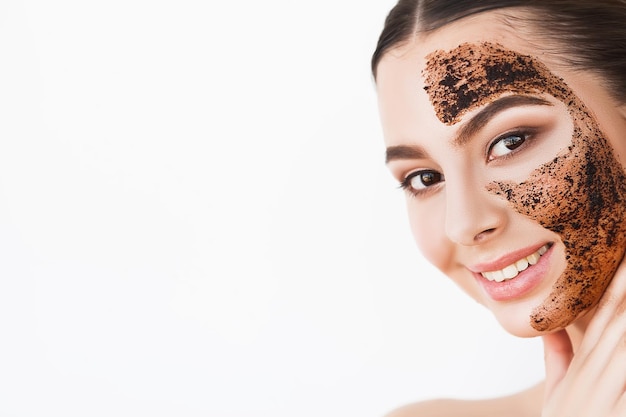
523	404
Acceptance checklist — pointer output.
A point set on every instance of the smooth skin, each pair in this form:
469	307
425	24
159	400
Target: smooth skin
457	223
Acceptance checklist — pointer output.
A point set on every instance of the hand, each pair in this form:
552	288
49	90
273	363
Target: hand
591	383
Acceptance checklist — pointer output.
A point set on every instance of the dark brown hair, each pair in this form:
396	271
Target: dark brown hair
585	34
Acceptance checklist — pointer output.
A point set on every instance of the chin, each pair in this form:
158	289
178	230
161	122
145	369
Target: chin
520	325
516	320
519	328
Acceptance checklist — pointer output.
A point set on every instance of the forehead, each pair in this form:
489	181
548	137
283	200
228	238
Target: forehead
473	73
440	77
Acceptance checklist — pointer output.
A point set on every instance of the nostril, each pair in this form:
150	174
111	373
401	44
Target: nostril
483	234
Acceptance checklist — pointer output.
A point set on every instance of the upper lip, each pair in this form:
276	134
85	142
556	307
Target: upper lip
505	260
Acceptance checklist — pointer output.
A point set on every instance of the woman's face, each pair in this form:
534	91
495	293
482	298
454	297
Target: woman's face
513	167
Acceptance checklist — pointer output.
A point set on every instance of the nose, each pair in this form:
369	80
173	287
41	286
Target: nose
473	215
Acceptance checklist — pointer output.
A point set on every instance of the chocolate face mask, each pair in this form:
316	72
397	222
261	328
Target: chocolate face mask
580	194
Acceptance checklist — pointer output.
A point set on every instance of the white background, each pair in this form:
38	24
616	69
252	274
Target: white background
195	220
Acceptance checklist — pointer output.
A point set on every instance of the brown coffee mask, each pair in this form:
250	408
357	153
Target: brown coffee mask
580	194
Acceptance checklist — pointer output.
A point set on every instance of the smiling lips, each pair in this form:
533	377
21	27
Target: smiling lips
515	268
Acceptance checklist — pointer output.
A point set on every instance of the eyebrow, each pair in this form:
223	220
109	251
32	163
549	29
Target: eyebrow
405	152
491	110
469	129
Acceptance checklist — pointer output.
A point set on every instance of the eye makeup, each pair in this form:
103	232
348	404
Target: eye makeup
422	182
580	194
509	143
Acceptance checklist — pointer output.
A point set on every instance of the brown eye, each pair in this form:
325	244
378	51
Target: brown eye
506	144
421	180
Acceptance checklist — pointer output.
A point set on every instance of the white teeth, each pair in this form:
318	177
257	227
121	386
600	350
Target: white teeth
522	264
533	259
497	276
512	270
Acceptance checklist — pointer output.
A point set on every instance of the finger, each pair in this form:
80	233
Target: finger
600	363
607	365
620	408
613	296
613	381
558	354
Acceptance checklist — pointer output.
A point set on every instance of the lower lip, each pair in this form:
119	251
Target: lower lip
522	284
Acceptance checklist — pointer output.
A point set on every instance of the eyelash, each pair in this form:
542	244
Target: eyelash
406	183
524	134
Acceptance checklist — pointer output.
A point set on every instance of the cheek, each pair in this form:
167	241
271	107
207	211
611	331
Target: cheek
427	226
581	196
